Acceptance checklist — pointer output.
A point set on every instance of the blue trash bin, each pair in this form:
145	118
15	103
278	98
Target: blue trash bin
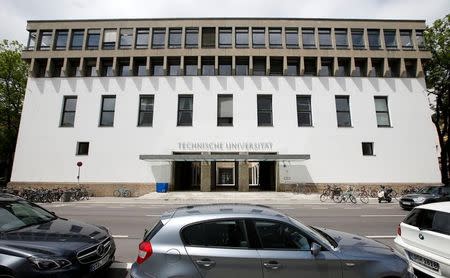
162	187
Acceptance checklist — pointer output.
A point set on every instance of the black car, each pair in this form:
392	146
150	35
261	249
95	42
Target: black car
36	243
426	195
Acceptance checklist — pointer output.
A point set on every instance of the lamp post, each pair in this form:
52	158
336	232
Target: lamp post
79	164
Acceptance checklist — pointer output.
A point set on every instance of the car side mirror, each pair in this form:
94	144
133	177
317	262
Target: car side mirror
315	249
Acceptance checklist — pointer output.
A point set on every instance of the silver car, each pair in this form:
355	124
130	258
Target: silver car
252	241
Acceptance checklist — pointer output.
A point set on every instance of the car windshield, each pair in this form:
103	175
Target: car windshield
316	232
20	214
429	190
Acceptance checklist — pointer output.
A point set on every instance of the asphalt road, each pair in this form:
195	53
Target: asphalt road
127	222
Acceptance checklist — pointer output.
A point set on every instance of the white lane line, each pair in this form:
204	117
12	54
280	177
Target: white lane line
114	207
153	215
380	237
121	265
352	208
285	208
319	208
119	236
383	215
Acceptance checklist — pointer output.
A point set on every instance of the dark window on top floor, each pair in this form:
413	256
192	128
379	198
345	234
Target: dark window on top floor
343	111
107	110
31	45
123	66
109	39
173	66
405	38
304	117
275	37
276	65
61	39
90	65
241	37
410	67
420	39
374	38
259	37
325	38
224	110
358	38
382	111
343	67
191	37
56	65
72	67
308	38
264	105
377	67
126	38
185	110
140	66
156	66
394	67
341	37
191	66
106	67
259	65
242	65
310	66
146	104
93	39
208	67
360	67
45	40
158	38
291	37
68	111
326	67
225	34
293	66
208	37
174	37
390	39
77	40
142	36
225	65
40	66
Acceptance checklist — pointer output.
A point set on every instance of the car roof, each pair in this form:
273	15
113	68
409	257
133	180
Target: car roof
440	206
8	197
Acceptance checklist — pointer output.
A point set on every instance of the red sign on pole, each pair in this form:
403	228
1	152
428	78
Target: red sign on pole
79	163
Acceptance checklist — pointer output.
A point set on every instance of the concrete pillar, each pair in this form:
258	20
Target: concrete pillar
97	67
199	64
333	39
352	66
366	39
64	68
205	176
250	65
100	40
267	65
233	42
266	37
318	66
115	68
335	66
349	39
285	65
147	66
302	65
133	40
165	65
369	67
31	70
80	69
182	65
382	42
131	66
233	64
316	38
216	64
243	179
419	68
402	68
48	68
386	69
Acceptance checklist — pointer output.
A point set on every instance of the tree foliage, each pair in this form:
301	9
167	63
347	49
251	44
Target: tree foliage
437	75
13	78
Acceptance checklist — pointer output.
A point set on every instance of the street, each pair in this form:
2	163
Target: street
127	221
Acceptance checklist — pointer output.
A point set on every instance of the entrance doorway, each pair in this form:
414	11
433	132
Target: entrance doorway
186	175
225	176
267	176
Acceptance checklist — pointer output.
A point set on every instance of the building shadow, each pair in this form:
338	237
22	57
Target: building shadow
342	82
56	83
104	82
72	83
291	82
391	83
308	82
257	80
223	81
189	82
325	81
120	82
358	81
172	82
240	81
206	81
408	84
375	82
275	82
154	81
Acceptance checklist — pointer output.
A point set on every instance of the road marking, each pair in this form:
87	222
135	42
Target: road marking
380	237
383	215
153	215
284	208
114	207
352	208
119	236
121	265
319	208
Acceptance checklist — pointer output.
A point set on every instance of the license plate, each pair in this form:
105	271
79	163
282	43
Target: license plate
406	203
430	264
99	264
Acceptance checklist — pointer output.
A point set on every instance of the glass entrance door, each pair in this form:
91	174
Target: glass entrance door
225	174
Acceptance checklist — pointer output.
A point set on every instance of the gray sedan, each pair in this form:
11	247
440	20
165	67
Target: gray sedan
253	241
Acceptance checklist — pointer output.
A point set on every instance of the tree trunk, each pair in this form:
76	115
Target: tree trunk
443	153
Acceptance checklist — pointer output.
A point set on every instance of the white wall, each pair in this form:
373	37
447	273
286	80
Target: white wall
404	153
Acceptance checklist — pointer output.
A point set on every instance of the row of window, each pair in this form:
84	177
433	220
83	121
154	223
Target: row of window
208	67
123	38
224	110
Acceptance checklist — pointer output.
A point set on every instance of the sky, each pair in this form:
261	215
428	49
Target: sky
15	13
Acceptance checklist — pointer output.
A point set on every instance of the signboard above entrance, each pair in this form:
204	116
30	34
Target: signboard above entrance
225	146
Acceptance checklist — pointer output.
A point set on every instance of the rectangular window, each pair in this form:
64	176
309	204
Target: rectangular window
241	37
381	107
310	66
208	37
106	67
68	111
341	38
377	68
93	39
77	39
405	38
291	37
308	38
158	38
293	66
259	65
185	108
389	39
109	39
360	67
191	37
276	66
343	67
126	38
343	111
275	37
225	65
174	37
156	66
420	39
173	64
220	234
411	68
394	67
225	37
325	38
374	38
242	65
258	37
208	68
140	66
358	38
123	65
190	66
82	148
304	117
367	148
224	110
146	110
107	111
45	40
264	103
61	39
326	66
31	45
142	36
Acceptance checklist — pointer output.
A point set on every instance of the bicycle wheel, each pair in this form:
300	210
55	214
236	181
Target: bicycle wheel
126	193
116	193
364	198
352	199
394	194
337	198
324	197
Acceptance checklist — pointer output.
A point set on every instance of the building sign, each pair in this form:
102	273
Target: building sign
225	146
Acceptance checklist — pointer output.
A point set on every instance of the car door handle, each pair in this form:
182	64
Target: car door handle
205	263
272	265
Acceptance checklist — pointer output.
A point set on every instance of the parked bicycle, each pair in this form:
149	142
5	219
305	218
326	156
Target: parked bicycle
122	192
330	192
363	195
46	195
346	196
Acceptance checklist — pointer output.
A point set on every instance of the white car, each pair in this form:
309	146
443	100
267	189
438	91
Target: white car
424	239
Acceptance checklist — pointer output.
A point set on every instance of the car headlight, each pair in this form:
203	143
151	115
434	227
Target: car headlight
49	263
419	199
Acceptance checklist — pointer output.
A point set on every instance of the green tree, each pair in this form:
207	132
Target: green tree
13	79
437	76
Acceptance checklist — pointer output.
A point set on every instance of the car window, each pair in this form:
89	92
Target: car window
431	220
15	215
276	235
446	190
224	233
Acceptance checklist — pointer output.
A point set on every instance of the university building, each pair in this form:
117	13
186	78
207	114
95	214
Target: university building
225	104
